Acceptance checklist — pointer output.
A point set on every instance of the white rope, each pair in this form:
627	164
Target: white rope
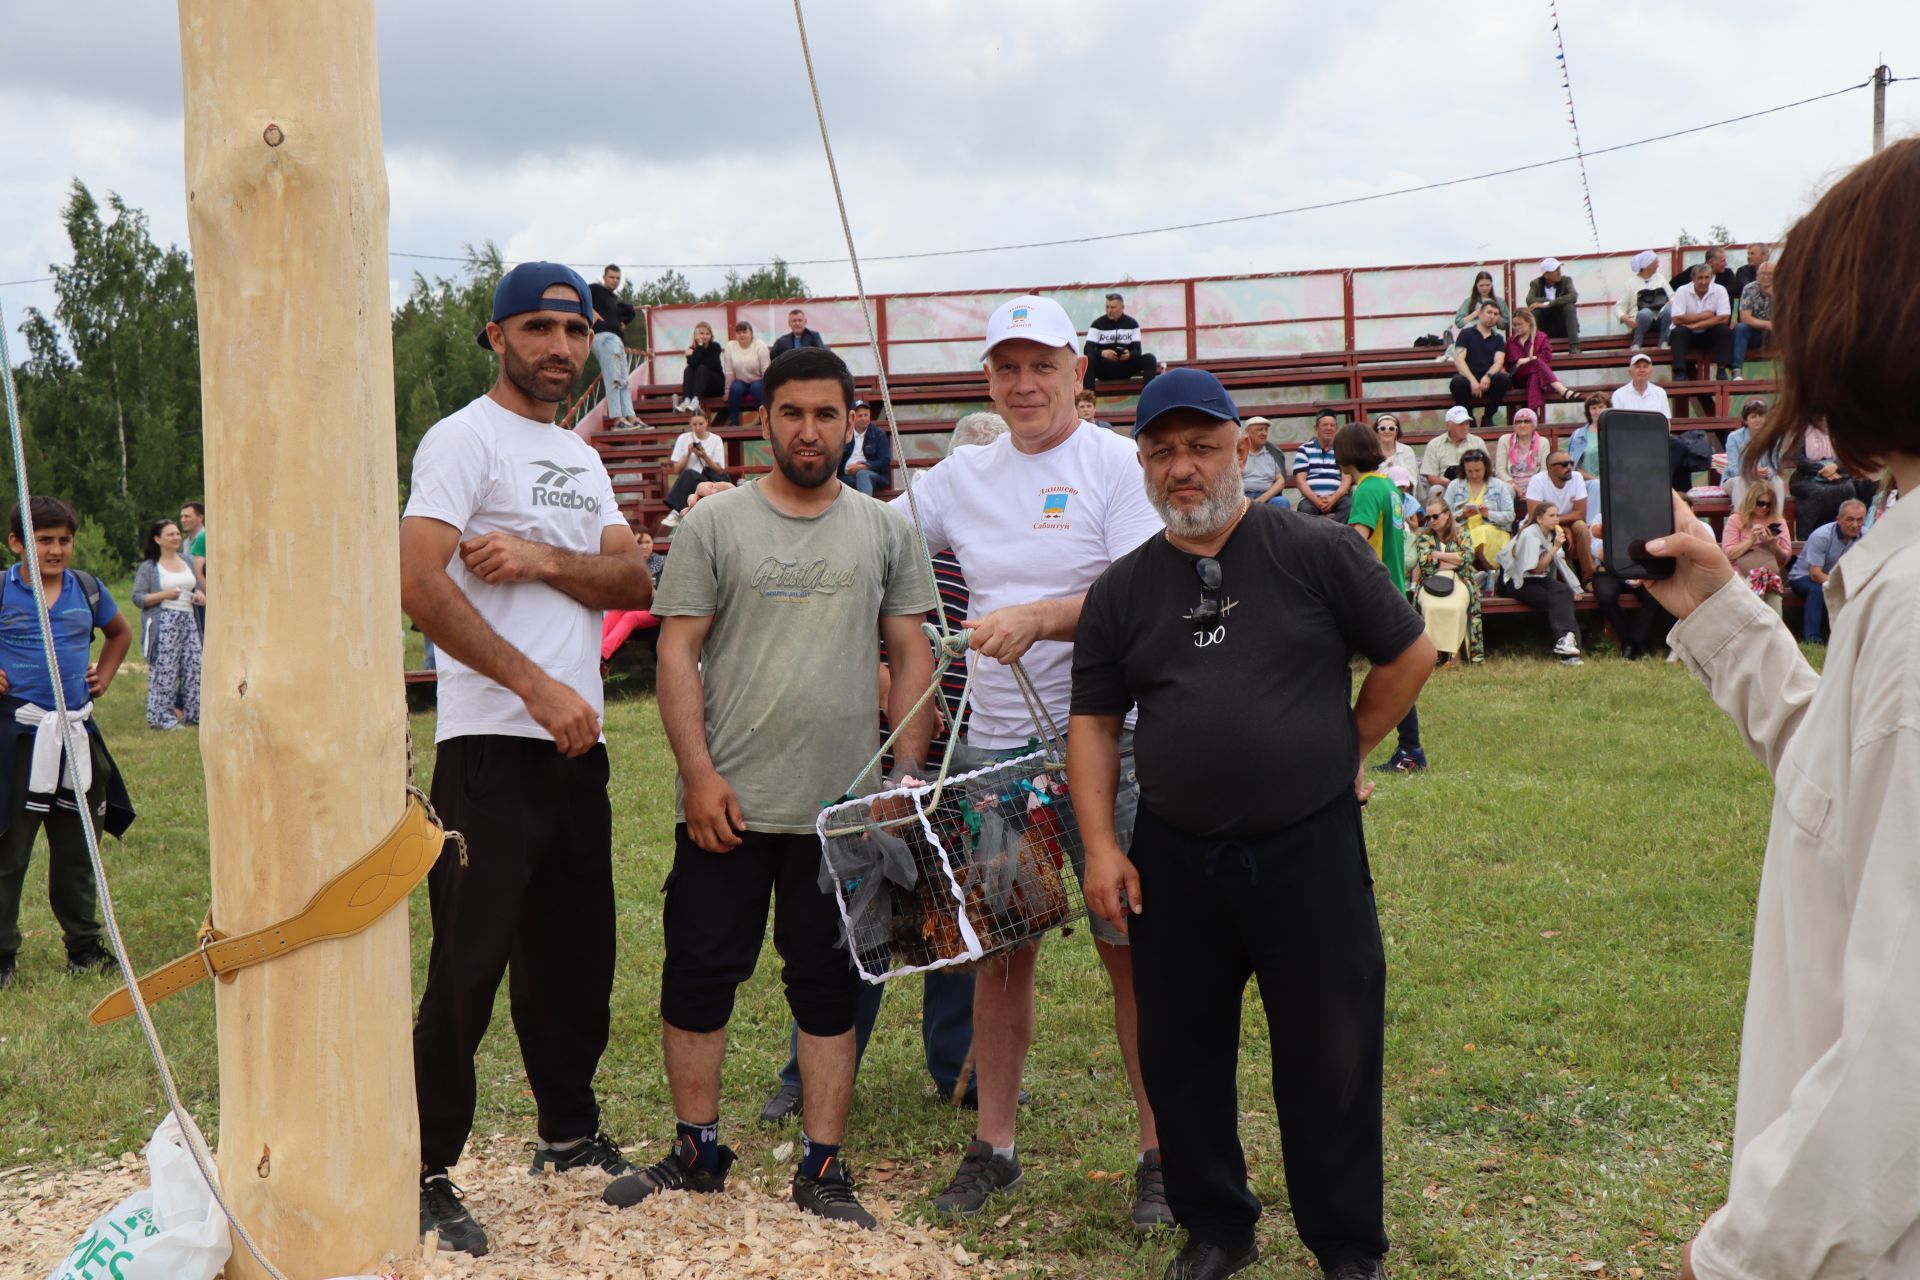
74	741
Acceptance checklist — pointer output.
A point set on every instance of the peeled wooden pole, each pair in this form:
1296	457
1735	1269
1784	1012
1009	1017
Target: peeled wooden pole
302	703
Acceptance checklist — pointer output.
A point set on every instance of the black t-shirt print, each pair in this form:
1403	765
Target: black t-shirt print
1247	726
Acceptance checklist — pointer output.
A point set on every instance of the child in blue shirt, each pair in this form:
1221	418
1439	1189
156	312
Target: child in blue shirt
37	781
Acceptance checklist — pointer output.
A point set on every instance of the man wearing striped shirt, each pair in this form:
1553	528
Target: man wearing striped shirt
1324	491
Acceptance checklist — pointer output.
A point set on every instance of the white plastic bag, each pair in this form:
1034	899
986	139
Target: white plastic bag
174	1231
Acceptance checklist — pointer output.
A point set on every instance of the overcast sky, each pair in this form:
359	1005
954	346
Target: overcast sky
980	123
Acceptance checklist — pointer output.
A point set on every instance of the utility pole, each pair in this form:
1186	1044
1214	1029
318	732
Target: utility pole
1880	77
304	717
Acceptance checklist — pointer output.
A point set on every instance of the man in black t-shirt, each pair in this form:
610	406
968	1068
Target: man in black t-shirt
611	315
1231	877
1113	347
1480	355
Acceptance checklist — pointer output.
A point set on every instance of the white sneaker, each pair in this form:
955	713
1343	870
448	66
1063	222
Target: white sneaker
1567	646
1573	660
673	518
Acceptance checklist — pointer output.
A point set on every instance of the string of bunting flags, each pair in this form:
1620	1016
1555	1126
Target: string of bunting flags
1573	120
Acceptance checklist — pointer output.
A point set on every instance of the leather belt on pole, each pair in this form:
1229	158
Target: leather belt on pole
344	905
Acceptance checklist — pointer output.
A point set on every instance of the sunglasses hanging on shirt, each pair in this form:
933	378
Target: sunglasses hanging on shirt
1213	607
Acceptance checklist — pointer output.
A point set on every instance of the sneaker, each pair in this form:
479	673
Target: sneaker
831	1196
1573	660
784	1104
1359	1269
91	958
675	1172
1150	1211
442	1212
1209	1262
6	972
1567	646
1403	762
671	519
597	1152
980	1175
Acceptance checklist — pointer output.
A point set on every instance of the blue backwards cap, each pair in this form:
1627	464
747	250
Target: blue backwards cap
519	291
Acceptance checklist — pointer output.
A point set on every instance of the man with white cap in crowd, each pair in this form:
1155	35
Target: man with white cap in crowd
1646	300
1440	460
1555	303
1034	517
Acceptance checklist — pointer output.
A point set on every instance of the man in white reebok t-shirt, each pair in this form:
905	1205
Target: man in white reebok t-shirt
512	545
1033	518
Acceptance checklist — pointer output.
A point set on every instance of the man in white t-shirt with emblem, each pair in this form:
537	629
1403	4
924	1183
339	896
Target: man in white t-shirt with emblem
1034	517
1564	489
512	545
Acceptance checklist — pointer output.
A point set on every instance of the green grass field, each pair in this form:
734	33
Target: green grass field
1566	900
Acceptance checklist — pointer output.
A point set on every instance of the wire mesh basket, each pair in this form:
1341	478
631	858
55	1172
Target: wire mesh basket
929	877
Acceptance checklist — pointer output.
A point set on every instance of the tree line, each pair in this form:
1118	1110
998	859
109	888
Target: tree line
110	389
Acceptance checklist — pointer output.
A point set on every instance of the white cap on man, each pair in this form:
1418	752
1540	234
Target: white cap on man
1639	356
1643	259
1251	423
1033	318
1459	414
1549	264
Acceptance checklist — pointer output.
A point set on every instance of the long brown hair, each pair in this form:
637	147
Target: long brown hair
1844	338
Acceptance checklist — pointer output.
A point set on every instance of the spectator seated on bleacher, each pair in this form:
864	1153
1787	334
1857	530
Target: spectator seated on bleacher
1323	490
1555	304
797	335
1820	484
1583	442
1480	364
1482	504
1087	405
1646	301
705	377
1634	628
745	359
1702	321
1530	363
1733	475
1755	330
1533	570
866	462
1809	573
1265	476
1113	347
1442	551
1521	454
1440	460
1756	254
1468	313
1755	538
1687	451
1716	265
699	455
619	624
1399	452
1565	490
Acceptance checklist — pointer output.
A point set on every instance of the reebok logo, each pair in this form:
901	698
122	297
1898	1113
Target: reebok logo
554	474
559	477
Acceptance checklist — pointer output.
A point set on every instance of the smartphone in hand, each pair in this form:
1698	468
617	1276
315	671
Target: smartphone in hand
1635	477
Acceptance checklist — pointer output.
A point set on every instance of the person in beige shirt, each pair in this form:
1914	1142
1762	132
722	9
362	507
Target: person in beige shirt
1826	1144
745	362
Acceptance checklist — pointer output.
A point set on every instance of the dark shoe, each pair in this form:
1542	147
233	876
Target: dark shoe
831	1196
442	1212
6	972
91	958
1359	1269
784	1103
1150	1211
597	1152
1209	1262
674	1173
1403	762
980	1175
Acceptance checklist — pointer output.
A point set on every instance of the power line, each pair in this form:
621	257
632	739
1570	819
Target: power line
36	280
1577	156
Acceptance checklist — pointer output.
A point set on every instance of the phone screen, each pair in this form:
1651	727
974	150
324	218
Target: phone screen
1635	476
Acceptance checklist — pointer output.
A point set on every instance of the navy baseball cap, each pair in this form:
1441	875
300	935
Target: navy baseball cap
519	291
1183	388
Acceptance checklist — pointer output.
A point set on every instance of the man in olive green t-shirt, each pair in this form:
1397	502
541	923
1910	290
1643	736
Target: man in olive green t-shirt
773	604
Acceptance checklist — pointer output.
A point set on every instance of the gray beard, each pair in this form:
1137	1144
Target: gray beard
1211	517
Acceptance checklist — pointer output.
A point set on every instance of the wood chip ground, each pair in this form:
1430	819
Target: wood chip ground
551	1228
